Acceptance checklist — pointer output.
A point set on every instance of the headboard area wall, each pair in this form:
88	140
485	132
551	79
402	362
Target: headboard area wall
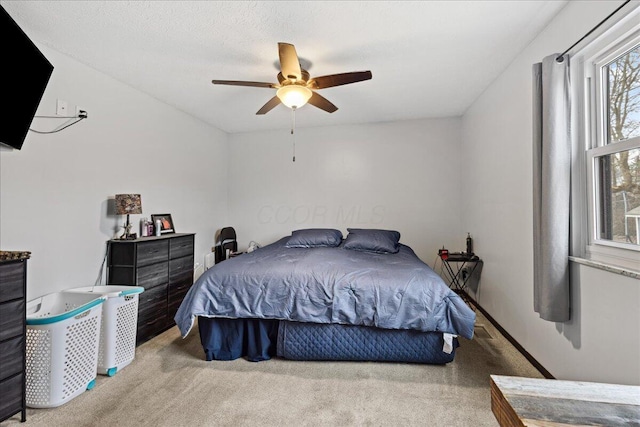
401	175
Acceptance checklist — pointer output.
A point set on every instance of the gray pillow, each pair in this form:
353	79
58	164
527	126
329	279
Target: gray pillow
371	240
314	238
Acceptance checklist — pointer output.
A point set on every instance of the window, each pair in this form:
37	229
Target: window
615	159
610	139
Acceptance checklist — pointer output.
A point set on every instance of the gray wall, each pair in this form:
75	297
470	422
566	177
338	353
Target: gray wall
399	175
54	192
602	342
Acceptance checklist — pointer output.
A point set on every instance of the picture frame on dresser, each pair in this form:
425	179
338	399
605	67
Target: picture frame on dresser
166	223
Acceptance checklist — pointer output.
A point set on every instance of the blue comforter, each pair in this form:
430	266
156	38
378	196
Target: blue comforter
328	285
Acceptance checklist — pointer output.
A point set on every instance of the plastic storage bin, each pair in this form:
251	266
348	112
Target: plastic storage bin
119	325
63	334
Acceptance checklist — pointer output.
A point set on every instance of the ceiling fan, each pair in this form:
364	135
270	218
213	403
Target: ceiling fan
295	85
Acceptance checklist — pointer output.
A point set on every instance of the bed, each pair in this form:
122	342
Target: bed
316	296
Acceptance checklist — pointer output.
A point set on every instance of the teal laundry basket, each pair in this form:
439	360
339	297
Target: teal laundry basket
119	325
63	335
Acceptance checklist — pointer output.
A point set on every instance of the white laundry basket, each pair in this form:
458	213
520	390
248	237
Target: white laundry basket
63	332
119	325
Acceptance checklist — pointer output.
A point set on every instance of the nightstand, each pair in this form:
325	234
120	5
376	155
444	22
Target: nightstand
459	268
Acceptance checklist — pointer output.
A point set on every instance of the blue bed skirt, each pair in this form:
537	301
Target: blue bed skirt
229	339
257	340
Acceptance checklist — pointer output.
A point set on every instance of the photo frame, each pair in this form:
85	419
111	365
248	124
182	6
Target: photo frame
166	222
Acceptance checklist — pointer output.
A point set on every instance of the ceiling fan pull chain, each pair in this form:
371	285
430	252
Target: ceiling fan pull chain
293	126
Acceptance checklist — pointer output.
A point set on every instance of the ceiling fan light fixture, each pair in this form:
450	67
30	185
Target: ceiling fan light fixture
294	96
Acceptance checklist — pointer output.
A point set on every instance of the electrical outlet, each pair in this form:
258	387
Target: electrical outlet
197	271
61	108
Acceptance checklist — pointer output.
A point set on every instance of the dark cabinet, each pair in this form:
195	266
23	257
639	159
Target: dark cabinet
163	266
13	290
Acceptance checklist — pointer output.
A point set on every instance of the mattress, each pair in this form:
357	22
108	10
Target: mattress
312	341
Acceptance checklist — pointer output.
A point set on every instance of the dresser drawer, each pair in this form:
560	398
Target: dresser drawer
181	268
181	246
153	275
172	309
152	301
11	392
152	252
12	319
12	281
11	357
178	290
150	326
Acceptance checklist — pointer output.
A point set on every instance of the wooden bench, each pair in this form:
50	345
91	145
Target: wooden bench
538	402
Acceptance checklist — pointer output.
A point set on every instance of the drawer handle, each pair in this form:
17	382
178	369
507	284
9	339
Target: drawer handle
154	276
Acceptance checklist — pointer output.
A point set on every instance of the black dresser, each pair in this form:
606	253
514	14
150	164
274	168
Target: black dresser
163	266
13	293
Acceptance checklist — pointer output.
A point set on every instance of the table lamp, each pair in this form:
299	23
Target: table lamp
127	204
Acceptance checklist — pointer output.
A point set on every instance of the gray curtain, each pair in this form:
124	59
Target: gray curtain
551	188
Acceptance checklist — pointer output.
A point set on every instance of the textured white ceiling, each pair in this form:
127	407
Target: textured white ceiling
428	59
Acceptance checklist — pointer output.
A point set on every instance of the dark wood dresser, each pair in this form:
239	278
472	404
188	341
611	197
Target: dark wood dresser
163	266
13	294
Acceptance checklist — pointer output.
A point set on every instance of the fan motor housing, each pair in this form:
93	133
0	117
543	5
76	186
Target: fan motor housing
304	73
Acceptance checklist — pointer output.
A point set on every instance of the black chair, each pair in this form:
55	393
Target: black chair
226	240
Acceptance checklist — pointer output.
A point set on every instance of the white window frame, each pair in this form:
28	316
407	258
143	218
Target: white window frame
589	142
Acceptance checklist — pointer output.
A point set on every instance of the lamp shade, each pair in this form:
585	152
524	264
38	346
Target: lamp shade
294	96
128	204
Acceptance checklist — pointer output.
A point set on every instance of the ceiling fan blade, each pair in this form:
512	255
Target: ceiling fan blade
270	105
243	83
322	103
339	79
289	62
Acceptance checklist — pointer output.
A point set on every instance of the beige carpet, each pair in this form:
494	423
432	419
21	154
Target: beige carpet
170	384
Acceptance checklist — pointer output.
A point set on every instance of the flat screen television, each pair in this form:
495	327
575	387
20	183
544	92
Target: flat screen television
24	74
